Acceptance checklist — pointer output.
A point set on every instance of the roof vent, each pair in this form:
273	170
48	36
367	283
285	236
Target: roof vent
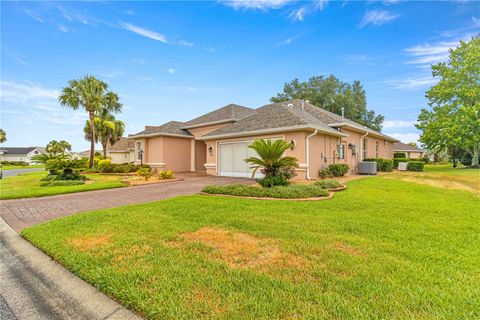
290	106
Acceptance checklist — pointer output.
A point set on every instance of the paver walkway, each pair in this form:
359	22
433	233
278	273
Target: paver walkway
22	213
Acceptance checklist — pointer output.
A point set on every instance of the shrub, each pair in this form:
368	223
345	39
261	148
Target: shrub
14	163
284	192
466	160
324	173
146	173
71	176
338	170
398	160
103	163
426	160
272	181
61	183
166	174
415	166
327	184
399	155
383	165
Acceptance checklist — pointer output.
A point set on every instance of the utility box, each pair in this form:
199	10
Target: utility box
366	167
402	166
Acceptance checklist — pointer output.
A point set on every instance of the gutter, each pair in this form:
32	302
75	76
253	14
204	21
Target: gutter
308	154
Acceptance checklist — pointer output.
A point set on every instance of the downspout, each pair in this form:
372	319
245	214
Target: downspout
361	145
308	153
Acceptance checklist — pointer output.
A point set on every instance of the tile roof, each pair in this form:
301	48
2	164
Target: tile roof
124	144
172	128
18	150
399	146
276	115
231	112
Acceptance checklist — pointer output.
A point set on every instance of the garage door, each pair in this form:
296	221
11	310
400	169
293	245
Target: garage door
232	159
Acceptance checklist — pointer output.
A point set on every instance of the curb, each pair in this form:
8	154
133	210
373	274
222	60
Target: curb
36	287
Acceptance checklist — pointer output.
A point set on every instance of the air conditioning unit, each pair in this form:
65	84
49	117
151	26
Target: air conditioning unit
402	166
366	167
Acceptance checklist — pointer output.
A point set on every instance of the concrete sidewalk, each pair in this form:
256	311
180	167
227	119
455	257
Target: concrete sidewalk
33	286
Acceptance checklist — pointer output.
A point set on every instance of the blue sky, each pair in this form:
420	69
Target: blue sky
177	60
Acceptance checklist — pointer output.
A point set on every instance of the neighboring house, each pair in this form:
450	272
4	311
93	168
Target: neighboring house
20	154
217	142
121	151
86	153
411	152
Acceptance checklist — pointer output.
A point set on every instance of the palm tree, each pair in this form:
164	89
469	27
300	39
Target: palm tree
58	147
94	97
271	158
3	136
108	130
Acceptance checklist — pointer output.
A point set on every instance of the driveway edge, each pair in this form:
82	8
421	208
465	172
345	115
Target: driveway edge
36	287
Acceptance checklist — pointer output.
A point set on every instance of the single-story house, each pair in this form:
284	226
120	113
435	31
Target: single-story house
86	153
121	151
217	142
412	152
20	153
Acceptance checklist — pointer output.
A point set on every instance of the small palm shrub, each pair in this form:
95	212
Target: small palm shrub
276	167
338	170
146	173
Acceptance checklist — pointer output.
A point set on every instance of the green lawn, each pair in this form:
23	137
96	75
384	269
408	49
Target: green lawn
9	167
382	249
27	185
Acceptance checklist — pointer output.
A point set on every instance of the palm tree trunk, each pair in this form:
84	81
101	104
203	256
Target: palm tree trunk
104	146
92	141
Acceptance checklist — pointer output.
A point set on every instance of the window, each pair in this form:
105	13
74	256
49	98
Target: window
376	149
139	151
365	148
341	151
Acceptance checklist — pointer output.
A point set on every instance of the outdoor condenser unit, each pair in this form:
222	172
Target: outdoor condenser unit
366	167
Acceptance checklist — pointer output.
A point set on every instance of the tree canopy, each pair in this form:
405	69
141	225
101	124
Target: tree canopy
3	136
453	120
332	94
93	96
108	130
58	147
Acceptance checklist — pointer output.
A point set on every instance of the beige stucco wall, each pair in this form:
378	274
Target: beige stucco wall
413	154
200	155
201	131
177	154
121	157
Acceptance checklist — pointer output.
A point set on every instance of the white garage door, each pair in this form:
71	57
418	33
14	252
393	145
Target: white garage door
232	159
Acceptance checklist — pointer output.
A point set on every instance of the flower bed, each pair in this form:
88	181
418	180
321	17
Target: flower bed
280	192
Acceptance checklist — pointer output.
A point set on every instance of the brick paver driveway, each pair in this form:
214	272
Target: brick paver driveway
22	213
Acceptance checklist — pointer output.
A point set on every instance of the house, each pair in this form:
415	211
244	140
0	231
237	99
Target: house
412	152
86	153
20	153
217	142
121	151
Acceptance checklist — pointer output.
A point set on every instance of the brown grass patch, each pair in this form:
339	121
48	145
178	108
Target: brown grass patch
345	248
241	250
208	299
131	252
465	184
90	242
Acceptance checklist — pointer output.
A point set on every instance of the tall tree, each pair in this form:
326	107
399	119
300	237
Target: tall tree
93	96
332	94
58	147
454	118
108	130
3	136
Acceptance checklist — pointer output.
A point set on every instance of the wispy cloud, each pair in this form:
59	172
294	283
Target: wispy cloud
396	124
412	83
144	32
299	14
185	43
144	78
62	28
21	93
377	18
286	41
255	4
171	71
404	137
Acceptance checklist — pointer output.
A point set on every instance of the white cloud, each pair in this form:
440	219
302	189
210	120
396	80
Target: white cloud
394	124
377	18
298	14
14	92
320	4
404	137
144	32
62	28
412	83
255	4
171	71
285	42
185	43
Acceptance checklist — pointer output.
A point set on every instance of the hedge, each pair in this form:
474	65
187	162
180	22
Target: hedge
338	170
288	192
327	184
415	166
383	165
399	155
397	160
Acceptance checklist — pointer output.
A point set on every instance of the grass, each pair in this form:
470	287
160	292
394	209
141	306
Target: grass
10	167
28	185
384	248
443	176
